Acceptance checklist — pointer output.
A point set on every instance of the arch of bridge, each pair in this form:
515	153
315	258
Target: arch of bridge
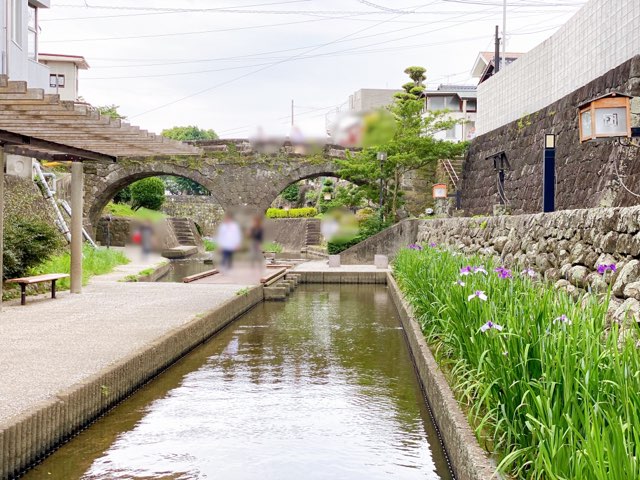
246	180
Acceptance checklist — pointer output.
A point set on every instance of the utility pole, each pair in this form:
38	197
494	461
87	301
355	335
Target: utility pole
504	34
496	56
292	112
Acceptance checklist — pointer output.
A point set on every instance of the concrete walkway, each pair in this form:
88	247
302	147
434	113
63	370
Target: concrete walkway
49	345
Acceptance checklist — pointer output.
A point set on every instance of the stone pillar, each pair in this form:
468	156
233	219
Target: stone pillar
77	188
2	155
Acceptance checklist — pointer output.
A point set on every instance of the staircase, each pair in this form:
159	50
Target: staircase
184	233
312	233
450	172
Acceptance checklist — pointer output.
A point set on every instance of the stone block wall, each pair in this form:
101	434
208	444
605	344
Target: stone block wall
291	233
117	231
565	247
203	210
387	242
591	174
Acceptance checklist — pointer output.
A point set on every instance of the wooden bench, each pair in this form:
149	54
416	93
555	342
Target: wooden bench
23	282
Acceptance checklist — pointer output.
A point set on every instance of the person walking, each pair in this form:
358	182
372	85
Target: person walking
256	236
229	240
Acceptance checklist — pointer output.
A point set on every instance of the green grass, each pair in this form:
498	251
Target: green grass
552	399
272	247
209	245
95	262
125	210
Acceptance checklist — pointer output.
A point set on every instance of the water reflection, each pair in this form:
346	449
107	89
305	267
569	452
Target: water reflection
319	387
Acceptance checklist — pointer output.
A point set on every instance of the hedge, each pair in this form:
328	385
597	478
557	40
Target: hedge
339	245
291	213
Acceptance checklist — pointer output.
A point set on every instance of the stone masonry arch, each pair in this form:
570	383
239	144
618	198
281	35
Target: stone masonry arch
237	177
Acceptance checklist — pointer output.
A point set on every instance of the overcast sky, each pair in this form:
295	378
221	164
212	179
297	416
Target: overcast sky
232	65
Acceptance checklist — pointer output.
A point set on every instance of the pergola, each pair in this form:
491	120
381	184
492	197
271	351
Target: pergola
39	125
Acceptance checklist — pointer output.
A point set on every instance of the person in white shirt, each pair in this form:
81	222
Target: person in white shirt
229	240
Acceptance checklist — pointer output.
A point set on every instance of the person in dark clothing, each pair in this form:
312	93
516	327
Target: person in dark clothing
256	237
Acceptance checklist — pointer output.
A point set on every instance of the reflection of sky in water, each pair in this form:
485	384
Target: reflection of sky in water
325	391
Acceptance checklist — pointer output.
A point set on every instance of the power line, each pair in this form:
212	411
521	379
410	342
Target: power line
208	89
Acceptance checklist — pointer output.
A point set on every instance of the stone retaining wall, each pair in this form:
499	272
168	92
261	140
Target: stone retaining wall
586	172
386	242
468	460
204	210
566	247
28	438
291	233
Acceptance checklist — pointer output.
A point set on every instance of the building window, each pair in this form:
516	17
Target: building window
16	22
435	103
451	133
56	81
32	33
472	105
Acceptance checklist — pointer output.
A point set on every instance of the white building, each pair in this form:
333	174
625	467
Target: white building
63	73
19	41
461	103
368	99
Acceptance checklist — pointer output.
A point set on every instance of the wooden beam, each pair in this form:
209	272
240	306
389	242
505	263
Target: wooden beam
10	138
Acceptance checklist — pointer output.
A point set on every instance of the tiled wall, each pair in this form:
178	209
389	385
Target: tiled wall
601	36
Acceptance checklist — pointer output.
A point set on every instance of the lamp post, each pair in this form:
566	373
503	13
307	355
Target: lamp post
382	157
549	173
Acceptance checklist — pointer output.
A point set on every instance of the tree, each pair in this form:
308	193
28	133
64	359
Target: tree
184	186
111	111
147	193
406	135
291	193
189	133
123	196
181	185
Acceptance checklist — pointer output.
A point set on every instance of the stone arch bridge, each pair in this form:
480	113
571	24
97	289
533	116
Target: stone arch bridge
238	176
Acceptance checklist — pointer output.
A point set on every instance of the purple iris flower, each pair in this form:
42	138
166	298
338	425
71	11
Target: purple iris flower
603	268
465	271
477	294
459	282
433	244
503	272
415	246
490	325
528	272
479	270
562	319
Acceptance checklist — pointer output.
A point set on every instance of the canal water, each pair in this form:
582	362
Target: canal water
319	387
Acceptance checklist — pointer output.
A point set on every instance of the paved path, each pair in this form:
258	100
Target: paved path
49	345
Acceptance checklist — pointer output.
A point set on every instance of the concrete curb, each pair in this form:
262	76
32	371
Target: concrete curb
341	277
159	272
468	460
31	436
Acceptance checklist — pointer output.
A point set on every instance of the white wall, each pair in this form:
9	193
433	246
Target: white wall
19	66
70	72
601	36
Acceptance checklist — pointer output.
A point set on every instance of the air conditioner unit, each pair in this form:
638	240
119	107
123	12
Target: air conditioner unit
19	166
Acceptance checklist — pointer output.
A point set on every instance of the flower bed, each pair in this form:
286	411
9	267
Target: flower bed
547	387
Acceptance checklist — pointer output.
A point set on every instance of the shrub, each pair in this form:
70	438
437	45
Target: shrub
338	245
272	247
292	213
26	244
291	193
209	245
123	196
147	193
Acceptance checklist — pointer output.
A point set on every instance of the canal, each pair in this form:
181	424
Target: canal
319	387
